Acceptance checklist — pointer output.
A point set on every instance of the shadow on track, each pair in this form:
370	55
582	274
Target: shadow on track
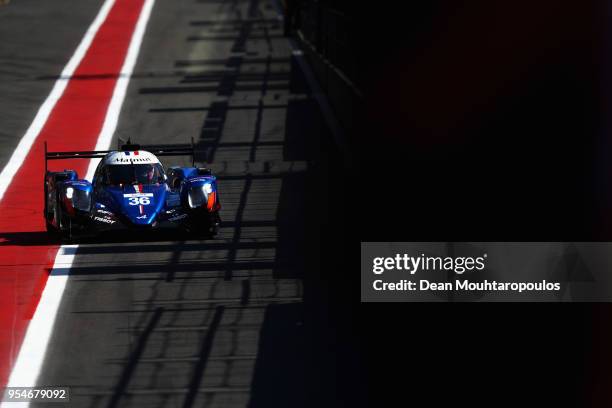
241	320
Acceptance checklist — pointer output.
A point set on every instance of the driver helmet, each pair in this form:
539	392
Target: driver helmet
147	173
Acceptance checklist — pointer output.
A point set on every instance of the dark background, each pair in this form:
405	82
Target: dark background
466	120
483	121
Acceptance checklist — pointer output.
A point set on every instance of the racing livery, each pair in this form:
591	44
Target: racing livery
130	190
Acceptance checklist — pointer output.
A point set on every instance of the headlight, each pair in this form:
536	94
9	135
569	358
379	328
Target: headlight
79	199
82	200
198	196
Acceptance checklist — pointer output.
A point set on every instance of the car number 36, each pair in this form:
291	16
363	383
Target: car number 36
140	201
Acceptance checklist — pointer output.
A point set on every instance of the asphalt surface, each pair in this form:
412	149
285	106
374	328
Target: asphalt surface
37	39
232	322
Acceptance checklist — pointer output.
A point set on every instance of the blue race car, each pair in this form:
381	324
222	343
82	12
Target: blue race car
130	190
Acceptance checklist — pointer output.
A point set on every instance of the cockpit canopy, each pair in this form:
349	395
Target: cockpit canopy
128	174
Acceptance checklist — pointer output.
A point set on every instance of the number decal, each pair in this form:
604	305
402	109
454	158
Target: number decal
140	201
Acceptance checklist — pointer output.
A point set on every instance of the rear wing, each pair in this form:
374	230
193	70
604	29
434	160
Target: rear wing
156	149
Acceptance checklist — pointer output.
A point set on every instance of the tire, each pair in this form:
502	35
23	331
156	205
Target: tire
206	226
213	224
66	234
51	230
50	227
65	223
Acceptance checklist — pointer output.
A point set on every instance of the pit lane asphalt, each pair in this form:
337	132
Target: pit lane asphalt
36	40
217	323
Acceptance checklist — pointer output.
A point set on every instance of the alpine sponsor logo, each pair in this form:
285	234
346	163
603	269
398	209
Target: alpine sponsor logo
142	217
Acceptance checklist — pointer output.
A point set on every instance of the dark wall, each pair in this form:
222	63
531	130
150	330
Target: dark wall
488	119
483	121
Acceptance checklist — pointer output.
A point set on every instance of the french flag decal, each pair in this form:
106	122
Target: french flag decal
138	188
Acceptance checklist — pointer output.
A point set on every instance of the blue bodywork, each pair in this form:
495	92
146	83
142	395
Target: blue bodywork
118	199
184	199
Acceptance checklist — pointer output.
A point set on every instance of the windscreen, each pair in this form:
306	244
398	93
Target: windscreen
121	174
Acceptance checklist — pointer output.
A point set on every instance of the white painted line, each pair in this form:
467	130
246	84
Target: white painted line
30	359
26	142
31	356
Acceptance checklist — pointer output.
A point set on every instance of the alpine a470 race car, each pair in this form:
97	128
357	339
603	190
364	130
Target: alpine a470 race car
130	190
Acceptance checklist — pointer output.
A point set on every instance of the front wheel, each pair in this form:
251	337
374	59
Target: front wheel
51	229
206	226
214	223
65	224
66	233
